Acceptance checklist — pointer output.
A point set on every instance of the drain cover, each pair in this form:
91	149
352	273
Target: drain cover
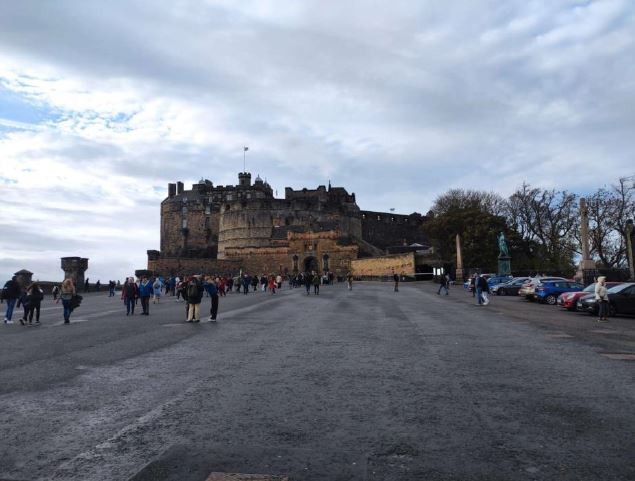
244	477
619	356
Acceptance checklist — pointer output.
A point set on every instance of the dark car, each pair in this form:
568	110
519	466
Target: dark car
509	288
621	300
548	291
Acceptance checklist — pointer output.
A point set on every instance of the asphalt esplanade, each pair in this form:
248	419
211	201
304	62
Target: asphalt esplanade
367	384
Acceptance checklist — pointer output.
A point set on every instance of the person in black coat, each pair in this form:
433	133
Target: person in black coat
11	294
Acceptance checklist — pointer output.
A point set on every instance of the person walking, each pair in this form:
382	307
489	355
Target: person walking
602	299
395	278
145	293
129	293
316	284
157	287
473	284
67	292
36	295
272	284
211	286
194	298
349	280
55	291
86	285
443	284
482	289
11	294
24	301
111	288
246	283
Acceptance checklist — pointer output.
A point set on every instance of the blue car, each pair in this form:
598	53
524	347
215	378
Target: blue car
549	291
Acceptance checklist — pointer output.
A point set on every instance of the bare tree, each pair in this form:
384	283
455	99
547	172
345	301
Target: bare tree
608	212
548	219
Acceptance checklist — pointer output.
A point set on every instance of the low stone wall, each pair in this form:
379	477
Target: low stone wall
176	266
374	267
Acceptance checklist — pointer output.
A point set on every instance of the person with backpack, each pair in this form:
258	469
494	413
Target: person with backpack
56	292
11	294
129	293
145	293
194	298
67	292
316	284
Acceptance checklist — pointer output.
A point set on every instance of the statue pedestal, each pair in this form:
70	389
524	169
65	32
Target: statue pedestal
504	266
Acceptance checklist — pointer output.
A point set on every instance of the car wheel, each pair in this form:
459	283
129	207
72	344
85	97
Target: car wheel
551	300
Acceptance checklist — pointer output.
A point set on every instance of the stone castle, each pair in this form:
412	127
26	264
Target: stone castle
226	229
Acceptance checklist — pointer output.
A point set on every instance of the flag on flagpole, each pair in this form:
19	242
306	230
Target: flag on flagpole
245	149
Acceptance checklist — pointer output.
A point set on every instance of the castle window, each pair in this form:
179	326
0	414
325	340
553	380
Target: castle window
392	219
363	216
208	210
378	217
249	196
184	224
184	210
230	197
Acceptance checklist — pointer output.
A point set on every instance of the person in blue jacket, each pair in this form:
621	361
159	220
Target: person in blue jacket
145	293
211	287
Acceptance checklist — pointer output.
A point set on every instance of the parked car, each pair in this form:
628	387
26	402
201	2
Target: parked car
569	300
527	290
509	288
621	300
548	291
495	280
466	284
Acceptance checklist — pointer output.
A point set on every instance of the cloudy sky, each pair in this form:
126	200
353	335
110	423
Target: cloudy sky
103	103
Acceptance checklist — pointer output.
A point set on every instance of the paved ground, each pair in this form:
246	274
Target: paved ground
361	385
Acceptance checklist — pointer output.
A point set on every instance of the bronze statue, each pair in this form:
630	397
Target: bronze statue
502	245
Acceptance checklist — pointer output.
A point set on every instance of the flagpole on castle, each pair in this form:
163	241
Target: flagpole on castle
245	149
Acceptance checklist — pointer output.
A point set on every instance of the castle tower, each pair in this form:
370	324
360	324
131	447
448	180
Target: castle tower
244	179
74	268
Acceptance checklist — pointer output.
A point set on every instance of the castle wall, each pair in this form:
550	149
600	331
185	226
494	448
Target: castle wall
174	266
384	265
383	229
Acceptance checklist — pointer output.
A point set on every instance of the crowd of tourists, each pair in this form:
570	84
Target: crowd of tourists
140	293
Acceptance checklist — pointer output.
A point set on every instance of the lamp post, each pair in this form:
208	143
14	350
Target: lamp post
629	247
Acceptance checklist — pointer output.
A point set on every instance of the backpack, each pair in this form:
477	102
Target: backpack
192	290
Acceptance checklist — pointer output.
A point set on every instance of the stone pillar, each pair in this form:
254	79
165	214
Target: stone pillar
587	266
459	260
74	268
24	278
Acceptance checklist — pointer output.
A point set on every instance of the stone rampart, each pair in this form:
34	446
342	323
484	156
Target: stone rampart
384	265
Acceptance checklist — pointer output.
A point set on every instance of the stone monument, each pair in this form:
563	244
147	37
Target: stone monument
586	271
459	259
74	268
504	259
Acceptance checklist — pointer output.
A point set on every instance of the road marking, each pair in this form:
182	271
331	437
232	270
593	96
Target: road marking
244	477
560	335
604	331
619	356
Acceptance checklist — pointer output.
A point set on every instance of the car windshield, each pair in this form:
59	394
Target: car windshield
589	288
617	288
